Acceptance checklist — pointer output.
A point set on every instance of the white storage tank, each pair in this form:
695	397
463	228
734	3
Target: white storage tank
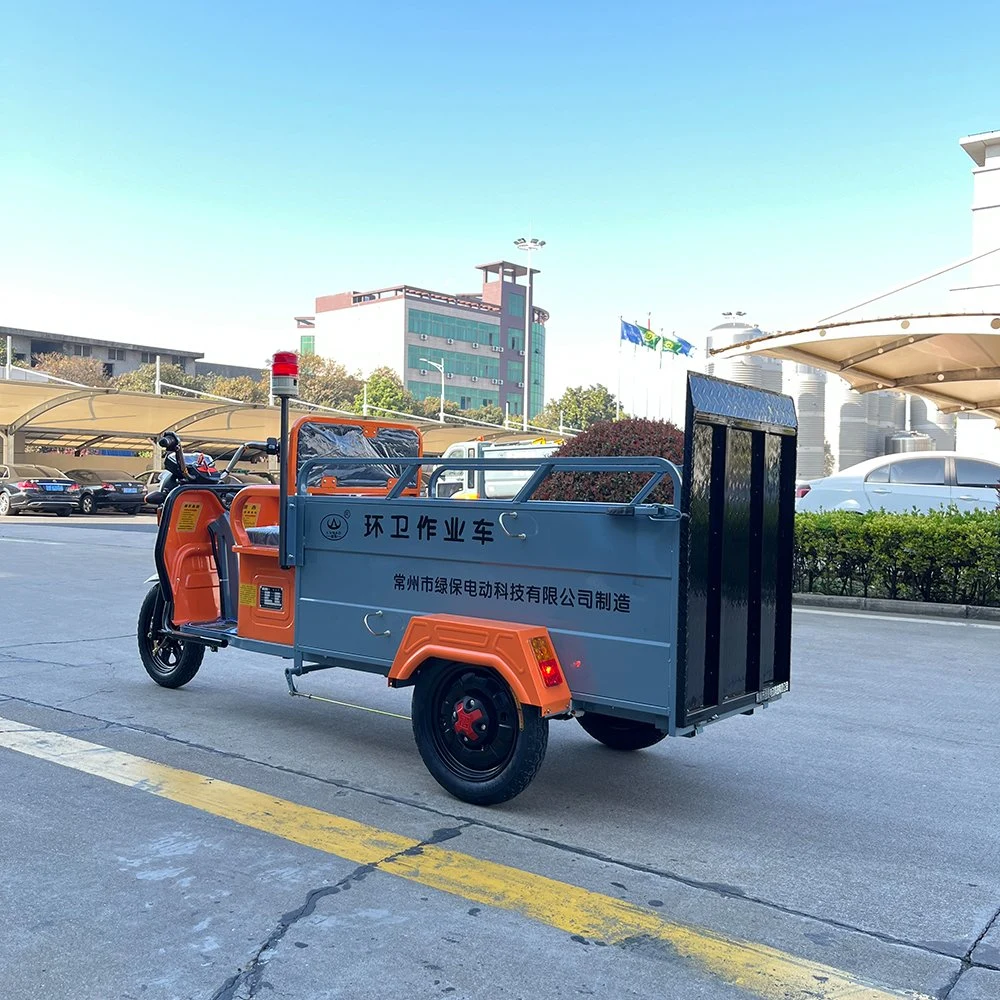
928	419
853	436
760	372
808	389
903	442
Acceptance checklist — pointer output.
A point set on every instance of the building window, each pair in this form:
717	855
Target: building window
307	344
116	354
515	305
455	362
147	358
468	331
82	350
109	370
515	340
176	359
424	390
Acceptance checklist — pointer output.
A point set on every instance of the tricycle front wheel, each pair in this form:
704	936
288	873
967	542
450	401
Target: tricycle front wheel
170	662
478	743
620	734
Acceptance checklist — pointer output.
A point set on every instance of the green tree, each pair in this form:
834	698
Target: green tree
580	407
828	462
385	392
242	387
431	407
86	371
491	414
3	350
328	383
143	379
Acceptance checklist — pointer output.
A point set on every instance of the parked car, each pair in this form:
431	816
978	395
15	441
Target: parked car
28	487
923	481
101	489
150	481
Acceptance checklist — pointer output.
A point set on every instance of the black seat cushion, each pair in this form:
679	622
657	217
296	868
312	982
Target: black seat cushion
265	535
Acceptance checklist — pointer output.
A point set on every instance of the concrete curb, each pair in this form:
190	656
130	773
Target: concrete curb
882	606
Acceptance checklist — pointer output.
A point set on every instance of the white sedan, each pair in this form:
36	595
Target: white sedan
926	480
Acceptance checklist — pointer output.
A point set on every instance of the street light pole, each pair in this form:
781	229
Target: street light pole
440	368
529	246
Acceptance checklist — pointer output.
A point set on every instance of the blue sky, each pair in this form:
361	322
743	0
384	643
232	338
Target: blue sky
196	174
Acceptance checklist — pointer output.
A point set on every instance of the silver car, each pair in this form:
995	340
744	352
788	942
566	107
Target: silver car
925	481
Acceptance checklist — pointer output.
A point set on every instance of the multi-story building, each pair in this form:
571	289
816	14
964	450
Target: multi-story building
477	337
116	356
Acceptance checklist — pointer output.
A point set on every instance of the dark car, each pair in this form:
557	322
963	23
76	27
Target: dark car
101	489
150	482
28	487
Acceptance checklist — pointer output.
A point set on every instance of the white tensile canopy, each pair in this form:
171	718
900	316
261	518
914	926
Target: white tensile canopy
951	359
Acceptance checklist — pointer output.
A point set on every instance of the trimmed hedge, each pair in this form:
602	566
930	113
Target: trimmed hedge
942	557
631	436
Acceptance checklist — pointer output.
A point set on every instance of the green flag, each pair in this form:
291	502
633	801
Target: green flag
650	339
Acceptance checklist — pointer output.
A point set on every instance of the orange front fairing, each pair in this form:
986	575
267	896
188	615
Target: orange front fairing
522	654
187	557
266	609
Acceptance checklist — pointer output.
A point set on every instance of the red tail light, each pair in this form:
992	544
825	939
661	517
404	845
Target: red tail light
73	486
108	486
27	484
801	491
551	673
548	665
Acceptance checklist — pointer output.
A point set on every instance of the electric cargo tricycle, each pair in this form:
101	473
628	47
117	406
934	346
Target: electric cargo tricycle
641	619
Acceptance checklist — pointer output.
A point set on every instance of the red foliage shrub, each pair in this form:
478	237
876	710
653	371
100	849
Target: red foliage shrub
619	437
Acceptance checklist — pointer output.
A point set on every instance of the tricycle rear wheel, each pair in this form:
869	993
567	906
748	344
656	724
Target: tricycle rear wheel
476	740
620	734
170	662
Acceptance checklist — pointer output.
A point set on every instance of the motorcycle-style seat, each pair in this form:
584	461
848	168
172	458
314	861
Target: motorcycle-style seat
265	535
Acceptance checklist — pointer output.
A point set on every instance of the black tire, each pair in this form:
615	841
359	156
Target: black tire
170	662
506	742
63	513
5	508
87	505
620	734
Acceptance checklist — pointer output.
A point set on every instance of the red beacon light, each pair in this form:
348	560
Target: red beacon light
285	374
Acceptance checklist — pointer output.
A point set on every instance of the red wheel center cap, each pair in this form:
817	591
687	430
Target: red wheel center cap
465	721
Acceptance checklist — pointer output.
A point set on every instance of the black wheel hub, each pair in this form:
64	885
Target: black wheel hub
167	652
476	726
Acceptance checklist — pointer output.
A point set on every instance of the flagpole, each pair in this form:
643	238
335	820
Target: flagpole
659	398
618	398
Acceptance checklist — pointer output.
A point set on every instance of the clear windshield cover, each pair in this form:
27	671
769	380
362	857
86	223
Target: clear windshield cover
316	440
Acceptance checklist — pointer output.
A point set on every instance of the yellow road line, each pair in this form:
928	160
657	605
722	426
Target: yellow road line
769	973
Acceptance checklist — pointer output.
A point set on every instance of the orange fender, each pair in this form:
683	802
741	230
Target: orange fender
522	654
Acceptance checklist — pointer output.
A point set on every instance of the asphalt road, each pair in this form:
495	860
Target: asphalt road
855	824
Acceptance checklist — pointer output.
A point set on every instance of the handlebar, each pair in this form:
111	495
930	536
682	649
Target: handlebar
169	441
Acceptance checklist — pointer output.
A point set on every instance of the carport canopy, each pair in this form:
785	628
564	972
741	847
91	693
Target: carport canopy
46	415
951	359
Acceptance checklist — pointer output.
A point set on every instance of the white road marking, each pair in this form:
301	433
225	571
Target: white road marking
954	622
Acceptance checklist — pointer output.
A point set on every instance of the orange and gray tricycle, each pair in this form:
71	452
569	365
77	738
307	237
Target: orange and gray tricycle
644	618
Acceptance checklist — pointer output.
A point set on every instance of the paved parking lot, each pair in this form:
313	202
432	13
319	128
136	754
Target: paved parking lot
226	841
